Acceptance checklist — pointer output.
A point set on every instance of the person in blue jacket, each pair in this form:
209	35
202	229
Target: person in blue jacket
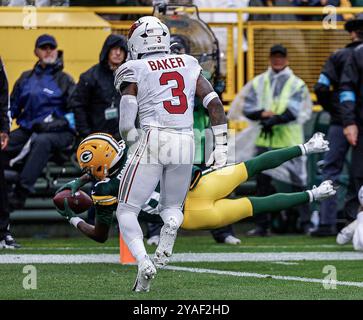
39	104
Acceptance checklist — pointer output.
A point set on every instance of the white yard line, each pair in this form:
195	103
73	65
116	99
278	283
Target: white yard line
269	276
241	247
15	258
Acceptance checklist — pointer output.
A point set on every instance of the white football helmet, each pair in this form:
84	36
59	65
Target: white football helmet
148	35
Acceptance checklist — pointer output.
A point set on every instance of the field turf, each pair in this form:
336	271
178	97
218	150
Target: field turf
232	280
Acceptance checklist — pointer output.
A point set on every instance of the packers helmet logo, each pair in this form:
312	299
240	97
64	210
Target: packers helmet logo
86	156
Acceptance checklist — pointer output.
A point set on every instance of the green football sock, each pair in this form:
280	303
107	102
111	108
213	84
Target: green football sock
271	159
278	201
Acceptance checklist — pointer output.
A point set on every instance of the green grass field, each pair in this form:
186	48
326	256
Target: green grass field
234	280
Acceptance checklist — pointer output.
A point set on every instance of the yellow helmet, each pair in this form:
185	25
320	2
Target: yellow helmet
99	154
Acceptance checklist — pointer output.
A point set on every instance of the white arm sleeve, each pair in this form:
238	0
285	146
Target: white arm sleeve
128	114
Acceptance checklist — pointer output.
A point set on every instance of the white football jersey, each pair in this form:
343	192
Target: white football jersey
166	89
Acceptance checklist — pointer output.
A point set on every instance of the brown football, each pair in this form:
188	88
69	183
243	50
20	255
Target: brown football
79	203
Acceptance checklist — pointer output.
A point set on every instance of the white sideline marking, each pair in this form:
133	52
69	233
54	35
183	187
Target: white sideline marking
258	275
68	248
59	258
213	246
286	263
184	257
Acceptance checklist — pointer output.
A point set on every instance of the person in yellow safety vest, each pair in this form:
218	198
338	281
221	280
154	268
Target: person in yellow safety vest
280	101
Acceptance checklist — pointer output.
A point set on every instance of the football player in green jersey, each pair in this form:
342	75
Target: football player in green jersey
102	158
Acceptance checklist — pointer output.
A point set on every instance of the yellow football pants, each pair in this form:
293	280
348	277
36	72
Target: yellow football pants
205	206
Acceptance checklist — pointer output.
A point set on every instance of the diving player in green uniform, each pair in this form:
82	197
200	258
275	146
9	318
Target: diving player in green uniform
102	158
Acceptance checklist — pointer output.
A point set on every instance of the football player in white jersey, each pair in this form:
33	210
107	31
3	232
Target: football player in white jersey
354	231
158	89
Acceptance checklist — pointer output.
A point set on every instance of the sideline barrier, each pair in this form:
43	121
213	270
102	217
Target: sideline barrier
81	31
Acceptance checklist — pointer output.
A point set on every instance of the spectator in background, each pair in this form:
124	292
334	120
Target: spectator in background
271	17
6	240
280	101
39	104
314	3
351	108
327	93
38	3
95	100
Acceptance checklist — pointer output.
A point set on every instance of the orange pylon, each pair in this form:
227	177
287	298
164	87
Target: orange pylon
125	255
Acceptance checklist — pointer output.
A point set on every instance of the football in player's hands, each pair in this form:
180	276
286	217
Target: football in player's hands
79	203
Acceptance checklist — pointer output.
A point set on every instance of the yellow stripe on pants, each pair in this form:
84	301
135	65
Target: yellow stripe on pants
205	207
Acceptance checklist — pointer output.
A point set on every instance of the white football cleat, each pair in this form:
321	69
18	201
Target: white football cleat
166	243
358	233
232	240
146	272
324	191
316	144
346	234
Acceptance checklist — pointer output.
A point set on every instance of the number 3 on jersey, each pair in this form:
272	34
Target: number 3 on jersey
176	92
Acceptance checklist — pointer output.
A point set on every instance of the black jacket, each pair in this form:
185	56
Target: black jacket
95	92
351	89
327	87
4	101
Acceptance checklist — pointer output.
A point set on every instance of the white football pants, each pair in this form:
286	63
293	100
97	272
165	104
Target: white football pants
162	155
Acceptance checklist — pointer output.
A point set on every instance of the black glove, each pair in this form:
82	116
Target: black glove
256	115
268	123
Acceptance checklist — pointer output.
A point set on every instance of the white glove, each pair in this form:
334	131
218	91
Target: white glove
218	157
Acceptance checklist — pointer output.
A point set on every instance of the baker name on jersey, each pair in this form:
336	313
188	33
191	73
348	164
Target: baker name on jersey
168	63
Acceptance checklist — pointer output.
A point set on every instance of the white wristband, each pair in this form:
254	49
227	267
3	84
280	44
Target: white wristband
220	133
208	98
75	220
311	196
